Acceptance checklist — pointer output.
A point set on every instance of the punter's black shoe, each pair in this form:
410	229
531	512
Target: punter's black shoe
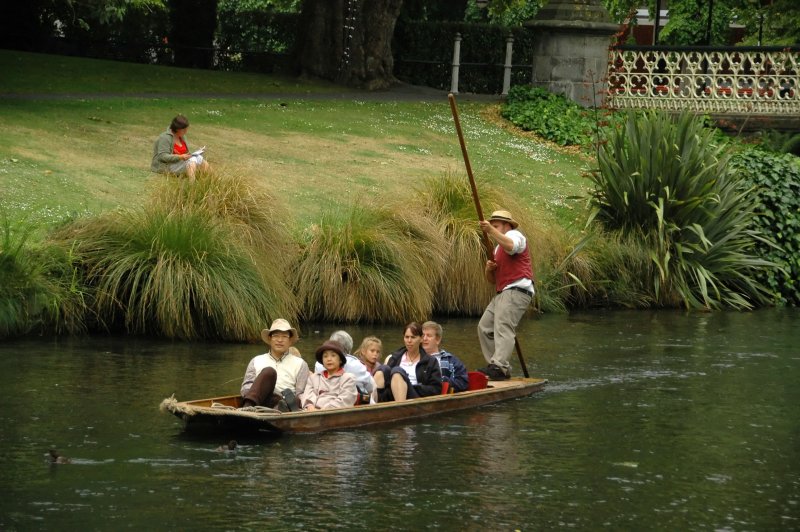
494	372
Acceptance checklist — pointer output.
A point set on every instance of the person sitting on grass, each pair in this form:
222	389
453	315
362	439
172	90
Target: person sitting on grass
454	372
410	371
171	153
333	388
278	374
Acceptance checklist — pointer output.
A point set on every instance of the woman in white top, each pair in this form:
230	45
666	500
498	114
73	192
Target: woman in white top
410	372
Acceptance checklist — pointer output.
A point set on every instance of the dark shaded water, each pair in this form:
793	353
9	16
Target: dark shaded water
652	420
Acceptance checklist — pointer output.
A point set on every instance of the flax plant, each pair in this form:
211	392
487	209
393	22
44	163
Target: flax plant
664	181
369	264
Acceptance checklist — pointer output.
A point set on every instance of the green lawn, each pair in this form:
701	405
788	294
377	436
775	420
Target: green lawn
61	153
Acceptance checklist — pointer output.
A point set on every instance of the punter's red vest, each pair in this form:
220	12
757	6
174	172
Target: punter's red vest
511	268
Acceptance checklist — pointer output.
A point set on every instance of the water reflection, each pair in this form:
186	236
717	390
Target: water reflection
652	420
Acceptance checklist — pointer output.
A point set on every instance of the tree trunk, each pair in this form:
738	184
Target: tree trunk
348	41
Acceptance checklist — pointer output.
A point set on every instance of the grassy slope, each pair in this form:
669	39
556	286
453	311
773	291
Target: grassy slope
60	155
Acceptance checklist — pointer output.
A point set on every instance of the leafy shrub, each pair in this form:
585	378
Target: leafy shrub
39	287
780	141
663	181
776	194
549	115
255	37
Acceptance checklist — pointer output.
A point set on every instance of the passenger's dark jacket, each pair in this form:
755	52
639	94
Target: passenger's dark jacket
429	376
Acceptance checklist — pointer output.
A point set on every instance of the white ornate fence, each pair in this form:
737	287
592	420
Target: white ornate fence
734	80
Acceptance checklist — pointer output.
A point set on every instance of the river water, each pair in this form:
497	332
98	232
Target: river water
651	420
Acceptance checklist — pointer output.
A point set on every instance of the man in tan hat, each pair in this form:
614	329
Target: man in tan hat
511	273
277	373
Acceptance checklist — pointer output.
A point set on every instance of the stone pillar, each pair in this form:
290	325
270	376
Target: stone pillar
570	53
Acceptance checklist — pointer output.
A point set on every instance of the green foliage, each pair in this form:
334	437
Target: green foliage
778	20
423	53
549	115
21	287
39	287
688	23
776	197
509	13
256	36
368	264
780	141
620	9
663	181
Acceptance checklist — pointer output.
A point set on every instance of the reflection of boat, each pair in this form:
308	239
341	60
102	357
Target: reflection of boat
223	413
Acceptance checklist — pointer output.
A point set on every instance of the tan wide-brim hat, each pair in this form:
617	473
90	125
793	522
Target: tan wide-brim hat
504	216
283	326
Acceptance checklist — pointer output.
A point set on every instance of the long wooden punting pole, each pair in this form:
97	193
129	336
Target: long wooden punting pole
487	244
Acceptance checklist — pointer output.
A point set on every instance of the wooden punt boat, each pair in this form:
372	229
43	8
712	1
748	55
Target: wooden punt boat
222	414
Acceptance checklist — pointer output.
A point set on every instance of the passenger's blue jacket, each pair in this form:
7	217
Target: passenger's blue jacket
453	370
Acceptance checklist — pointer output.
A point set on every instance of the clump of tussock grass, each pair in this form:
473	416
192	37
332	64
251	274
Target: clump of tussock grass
624	267
462	288
191	263
261	222
369	264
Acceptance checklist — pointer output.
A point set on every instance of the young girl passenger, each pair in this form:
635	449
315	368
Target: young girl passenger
333	388
370	353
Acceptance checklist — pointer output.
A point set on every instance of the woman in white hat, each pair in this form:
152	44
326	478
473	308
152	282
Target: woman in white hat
276	374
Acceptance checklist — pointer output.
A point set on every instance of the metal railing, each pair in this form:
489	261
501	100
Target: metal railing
731	80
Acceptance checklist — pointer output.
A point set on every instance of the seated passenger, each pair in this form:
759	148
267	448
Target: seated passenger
364	381
276	374
369	353
410	371
333	388
454	371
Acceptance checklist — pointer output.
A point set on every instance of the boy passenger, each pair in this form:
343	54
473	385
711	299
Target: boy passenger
454	372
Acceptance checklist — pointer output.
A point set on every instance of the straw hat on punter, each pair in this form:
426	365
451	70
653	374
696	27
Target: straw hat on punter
280	325
504	216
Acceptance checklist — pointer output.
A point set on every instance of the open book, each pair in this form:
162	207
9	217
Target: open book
200	151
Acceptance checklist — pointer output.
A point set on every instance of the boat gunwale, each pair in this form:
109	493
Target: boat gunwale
187	410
